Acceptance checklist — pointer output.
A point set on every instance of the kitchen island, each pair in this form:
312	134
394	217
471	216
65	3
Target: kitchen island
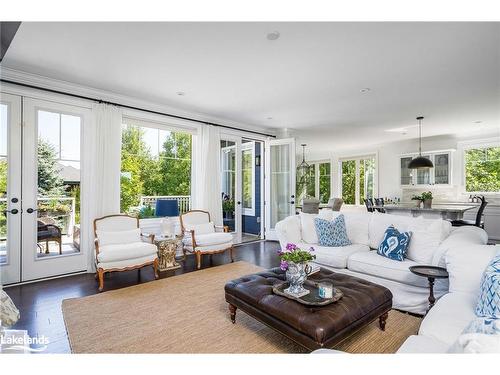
445	211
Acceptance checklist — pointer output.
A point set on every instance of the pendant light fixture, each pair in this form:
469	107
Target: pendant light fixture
303	169
420	162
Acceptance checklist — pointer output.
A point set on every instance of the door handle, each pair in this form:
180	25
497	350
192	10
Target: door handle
292	202
31	210
13	211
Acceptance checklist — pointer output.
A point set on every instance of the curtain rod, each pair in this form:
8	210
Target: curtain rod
132	107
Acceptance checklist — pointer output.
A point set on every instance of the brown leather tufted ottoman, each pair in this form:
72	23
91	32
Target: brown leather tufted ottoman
311	327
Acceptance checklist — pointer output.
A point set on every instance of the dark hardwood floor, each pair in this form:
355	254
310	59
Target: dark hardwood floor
40	303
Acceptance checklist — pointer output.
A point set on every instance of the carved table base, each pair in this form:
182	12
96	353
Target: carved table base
167	249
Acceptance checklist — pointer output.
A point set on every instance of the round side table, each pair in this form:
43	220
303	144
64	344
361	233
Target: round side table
432	273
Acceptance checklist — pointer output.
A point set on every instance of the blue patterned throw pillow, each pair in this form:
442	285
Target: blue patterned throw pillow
395	244
332	233
488	304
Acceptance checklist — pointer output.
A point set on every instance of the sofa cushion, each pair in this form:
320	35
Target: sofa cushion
308	228
466	265
449	316
356	224
118	252
422	344
331	233
426	238
373	264
118	237
488	304
395	244
203	228
335	257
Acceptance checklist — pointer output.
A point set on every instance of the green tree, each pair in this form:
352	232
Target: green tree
174	172
49	180
349	181
3	177
482	170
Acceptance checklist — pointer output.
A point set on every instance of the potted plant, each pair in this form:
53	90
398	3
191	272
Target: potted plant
417	199
294	261
427	199
227	207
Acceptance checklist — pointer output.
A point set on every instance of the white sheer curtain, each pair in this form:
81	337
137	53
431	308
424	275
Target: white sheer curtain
100	193
206	176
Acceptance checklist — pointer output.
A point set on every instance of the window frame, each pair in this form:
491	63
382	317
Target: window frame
466	146
245	147
357	159
316	165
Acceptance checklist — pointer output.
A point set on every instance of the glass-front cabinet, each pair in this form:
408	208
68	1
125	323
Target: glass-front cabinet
439	175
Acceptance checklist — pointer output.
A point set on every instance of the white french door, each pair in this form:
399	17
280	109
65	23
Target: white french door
279	182
40	164
10	188
51	178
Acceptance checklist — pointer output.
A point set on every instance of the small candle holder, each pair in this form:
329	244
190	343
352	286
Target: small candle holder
325	289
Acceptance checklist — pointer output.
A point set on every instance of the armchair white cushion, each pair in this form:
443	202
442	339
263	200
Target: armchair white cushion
119	246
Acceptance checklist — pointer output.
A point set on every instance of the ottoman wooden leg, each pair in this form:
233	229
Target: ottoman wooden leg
232	311
382	320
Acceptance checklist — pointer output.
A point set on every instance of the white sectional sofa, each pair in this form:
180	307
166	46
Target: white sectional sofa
429	244
443	325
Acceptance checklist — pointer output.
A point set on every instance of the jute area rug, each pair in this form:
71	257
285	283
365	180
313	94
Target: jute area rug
188	314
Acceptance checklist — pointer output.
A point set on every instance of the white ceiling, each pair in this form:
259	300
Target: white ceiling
308	80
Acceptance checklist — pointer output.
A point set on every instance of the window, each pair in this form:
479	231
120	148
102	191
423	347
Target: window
358	179
482	169
314	182
155	163
248	177
324	182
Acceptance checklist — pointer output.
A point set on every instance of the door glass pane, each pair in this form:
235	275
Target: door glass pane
406	176
324	182
246	173
3	182
441	169
280	183
349	181
424	175
228	175
58	195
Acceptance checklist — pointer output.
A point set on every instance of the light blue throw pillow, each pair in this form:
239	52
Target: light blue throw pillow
332	233
395	244
488	304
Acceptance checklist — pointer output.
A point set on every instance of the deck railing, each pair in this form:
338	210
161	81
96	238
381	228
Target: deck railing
184	201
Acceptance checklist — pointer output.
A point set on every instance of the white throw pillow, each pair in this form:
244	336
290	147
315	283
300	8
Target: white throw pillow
204	228
120	237
466	265
308	228
425	240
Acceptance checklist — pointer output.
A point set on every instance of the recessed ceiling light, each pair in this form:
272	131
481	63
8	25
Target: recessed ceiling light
363	90
269	118
478	122
273	36
181	93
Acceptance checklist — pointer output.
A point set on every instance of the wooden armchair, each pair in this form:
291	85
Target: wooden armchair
201	236
120	246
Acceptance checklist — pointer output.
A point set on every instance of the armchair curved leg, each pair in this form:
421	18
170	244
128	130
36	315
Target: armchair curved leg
60	247
100	273
231	254
198	259
155	269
